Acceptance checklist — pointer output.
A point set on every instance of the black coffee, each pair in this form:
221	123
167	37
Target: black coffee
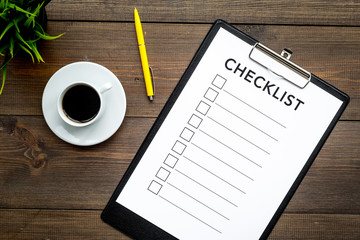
81	103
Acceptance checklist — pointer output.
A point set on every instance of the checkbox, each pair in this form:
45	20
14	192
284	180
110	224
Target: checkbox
203	108
195	121
187	134
211	94
179	147
171	160
219	81
163	174
155	187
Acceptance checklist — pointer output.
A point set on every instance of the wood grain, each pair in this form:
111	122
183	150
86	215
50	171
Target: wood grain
317	226
55	224
308	12
74	224
332	53
38	170
50	189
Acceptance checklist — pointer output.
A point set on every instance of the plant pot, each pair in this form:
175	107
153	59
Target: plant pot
43	18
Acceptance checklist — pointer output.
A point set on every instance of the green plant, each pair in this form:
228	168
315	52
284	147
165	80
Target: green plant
20	28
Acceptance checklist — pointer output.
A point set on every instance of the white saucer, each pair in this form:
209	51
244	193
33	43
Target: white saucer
114	99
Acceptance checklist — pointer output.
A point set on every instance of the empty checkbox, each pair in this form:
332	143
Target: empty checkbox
171	160
211	94
203	108
219	81
195	121
163	174
179	147
187	134
155	187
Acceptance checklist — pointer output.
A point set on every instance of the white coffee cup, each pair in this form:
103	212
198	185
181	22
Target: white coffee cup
81	104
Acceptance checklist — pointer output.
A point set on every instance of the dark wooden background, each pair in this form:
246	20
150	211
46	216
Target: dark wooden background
50	189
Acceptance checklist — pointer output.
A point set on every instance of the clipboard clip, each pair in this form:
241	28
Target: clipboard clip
280	64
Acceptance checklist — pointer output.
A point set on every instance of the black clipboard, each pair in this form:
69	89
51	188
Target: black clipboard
138	227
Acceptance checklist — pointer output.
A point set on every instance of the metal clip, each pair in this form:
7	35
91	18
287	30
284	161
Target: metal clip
280	64
286	53
152	79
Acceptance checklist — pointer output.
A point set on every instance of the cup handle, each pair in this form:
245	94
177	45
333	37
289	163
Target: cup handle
106	87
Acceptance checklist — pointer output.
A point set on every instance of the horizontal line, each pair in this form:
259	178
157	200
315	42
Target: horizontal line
198	201
230	148
222	161
207	170
153	117
288	212
206	188
41	115
312	25
51	209
234	114
239	135
189	214
254	109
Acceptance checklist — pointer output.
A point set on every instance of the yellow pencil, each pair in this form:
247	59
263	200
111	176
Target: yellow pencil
143	56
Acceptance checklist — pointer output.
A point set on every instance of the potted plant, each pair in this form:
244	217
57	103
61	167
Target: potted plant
22	24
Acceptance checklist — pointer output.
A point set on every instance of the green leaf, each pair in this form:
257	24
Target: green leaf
47	36
19	9
11	48
26	50
4	13
3	4
42	34
22	40
37	9
31	19
3	79
6	61
6	29
3	48
36	52
39	27
33	40
16	26
3	67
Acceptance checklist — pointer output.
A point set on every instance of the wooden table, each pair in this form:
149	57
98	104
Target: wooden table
50	189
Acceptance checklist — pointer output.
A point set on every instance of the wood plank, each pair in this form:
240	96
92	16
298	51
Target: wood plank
55	224
308	12
329	52
73	224
337	158
38	170
317	226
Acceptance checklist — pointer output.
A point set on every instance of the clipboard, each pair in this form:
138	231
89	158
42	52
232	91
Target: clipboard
230	147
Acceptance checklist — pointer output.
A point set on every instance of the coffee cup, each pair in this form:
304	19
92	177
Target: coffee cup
81	104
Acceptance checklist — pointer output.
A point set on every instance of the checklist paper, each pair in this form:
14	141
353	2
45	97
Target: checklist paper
230	148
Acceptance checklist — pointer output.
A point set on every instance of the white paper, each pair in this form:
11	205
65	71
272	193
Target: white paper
230	148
